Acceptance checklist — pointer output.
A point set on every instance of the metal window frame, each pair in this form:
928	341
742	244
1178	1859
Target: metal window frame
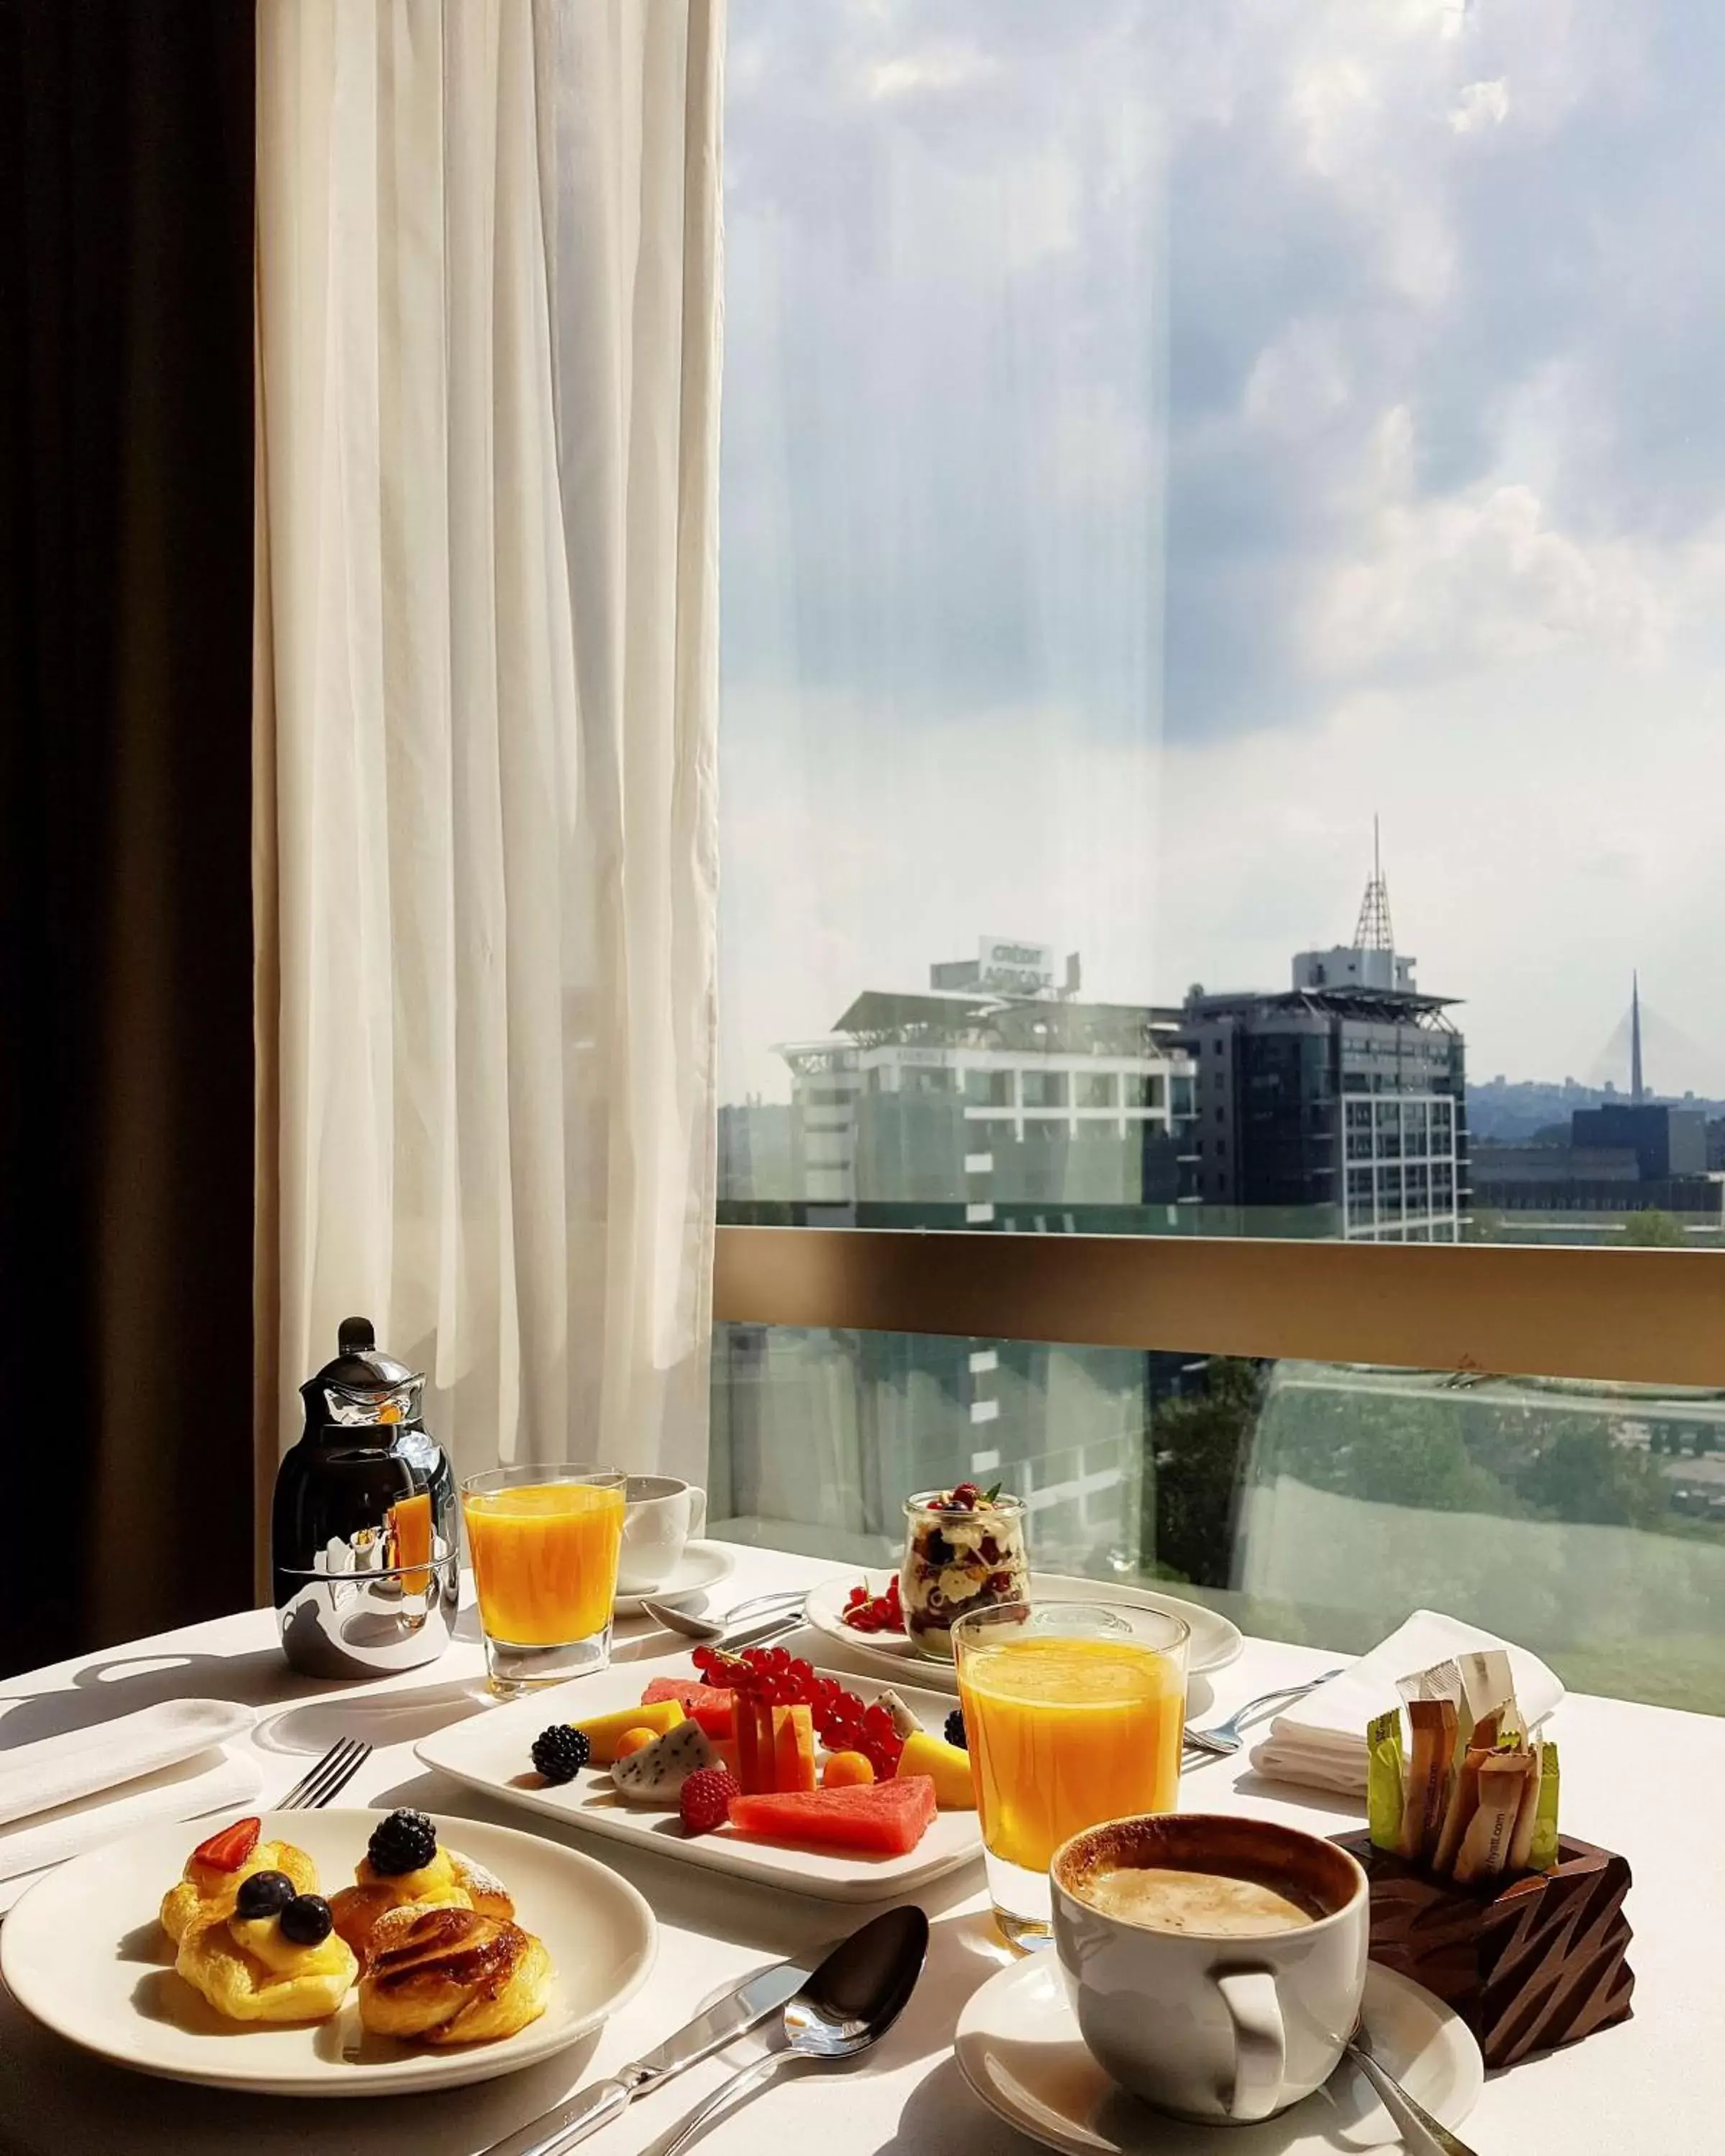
1644	1317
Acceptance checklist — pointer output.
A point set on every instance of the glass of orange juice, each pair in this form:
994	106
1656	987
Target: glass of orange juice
544	1542
1074	1714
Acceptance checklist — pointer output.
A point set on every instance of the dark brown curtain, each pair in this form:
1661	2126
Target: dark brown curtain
125	673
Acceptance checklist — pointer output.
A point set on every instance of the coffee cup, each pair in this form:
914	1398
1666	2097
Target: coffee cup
1218	1963
659	1515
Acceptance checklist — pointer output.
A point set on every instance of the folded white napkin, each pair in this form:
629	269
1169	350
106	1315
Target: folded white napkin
1321	1739
66	1794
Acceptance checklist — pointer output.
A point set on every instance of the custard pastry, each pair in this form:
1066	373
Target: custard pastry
275	1959
443	1975
217	1869
404	1867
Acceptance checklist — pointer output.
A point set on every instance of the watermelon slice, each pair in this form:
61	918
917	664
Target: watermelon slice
872	1819
707	1704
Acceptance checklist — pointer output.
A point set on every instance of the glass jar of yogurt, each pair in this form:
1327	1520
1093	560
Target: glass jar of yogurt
964	1550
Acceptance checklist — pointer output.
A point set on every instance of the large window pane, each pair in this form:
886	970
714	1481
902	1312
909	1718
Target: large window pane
1310	1501
1159	443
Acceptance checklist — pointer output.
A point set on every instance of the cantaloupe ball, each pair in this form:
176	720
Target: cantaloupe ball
845	1770
635	1740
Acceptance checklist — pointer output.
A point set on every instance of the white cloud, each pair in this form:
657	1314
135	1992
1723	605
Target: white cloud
1481	105
1300	382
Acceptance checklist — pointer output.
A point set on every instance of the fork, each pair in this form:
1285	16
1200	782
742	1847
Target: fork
1225	1739
325	1781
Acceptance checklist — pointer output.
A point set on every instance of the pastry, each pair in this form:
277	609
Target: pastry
444	1975
216	1869
276	1957
403	1866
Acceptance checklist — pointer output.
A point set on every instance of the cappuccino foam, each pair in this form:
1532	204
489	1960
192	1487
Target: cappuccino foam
1217	1904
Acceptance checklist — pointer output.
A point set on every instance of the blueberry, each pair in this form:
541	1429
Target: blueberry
306	1920
262	1893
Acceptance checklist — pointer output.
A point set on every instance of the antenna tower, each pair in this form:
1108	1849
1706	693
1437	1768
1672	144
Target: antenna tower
1638	1092
1373	932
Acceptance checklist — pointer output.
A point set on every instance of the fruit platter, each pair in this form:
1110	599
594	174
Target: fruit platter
758	1764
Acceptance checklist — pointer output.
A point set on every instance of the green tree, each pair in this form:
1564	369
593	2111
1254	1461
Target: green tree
1652	1229
1197	1447
1583	1474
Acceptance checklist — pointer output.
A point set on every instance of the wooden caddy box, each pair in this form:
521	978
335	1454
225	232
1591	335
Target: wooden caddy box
1529	1966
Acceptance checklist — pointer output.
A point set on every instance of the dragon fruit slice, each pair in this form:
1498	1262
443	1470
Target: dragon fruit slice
656	1774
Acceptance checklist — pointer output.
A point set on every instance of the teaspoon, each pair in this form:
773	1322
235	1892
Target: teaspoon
848	2002
775	1614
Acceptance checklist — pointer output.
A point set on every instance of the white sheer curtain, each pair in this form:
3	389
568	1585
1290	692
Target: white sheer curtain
488	299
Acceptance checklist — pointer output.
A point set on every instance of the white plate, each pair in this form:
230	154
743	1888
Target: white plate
1215	1642
493	1751
83	1951
702	1564
1018	2045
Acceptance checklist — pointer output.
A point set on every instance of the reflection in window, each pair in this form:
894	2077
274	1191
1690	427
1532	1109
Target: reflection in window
1308	1501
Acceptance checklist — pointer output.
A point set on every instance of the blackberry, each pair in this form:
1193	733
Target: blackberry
307	1921
560	1752
955	1729
405	1841
262	1893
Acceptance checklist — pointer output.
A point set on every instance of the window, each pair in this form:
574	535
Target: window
991	1089
947	706
1094	1089
1044	1089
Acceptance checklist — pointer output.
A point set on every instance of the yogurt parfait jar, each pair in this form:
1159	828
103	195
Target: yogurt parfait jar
964	1550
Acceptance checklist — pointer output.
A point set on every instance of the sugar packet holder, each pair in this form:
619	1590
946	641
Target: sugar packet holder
1467	1794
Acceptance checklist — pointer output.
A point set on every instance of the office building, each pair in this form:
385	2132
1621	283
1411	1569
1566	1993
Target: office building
995	1089
1343	1096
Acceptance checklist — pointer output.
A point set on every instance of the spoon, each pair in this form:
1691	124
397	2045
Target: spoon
848	2002
1404	2108
777	1613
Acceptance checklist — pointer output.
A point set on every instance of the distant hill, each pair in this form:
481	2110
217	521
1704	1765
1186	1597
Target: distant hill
1505	1112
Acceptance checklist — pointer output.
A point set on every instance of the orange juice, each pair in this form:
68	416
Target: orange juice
545	1559
1065	1732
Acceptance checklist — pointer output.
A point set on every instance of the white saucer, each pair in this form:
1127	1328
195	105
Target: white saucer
83	1952
1019	2047
702	1564
1216	1640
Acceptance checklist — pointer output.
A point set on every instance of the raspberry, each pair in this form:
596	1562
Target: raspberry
706	1798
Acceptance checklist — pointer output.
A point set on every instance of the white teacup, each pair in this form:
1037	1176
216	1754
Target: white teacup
1222	2025
659	1515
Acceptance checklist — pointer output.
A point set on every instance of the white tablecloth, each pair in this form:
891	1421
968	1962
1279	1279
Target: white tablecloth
1650	2084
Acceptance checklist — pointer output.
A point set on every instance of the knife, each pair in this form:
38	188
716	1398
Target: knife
588	2109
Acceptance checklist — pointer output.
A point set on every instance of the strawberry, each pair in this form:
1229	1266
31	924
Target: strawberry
706	1798
228	1850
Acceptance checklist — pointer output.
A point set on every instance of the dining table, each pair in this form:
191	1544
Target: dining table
1646	1781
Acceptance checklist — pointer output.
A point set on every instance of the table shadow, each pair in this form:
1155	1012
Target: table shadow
104	1690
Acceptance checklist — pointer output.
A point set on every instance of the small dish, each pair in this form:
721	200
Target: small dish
702	1564
84	1952
1019	2047
1215	1641
492	1752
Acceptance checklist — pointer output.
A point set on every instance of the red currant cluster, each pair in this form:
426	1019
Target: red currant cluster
874	1613
841	1721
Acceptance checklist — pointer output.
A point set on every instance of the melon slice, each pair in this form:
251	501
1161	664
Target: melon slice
710	1705
755	1764
945	1765
873	1819
655	1775
792	1747
602	1731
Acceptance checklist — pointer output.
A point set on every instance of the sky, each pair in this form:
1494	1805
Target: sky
1156	438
